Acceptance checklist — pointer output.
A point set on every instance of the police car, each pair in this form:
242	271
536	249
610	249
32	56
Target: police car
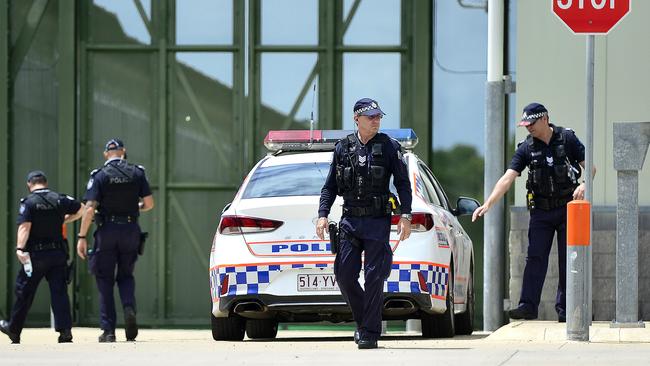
268	266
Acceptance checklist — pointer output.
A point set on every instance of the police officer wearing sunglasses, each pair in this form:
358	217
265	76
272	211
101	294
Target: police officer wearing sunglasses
361	168
554	157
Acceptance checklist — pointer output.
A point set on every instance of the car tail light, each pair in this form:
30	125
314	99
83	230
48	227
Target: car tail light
244	225
224	285
420	222
423	283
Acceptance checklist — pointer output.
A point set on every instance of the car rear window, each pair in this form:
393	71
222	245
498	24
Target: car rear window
304	179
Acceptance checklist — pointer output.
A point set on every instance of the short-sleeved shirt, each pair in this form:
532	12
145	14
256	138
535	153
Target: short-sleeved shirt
574	149
396	166
46	211
97	189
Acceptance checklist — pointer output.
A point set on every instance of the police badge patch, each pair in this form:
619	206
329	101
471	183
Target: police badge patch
21	210
90	183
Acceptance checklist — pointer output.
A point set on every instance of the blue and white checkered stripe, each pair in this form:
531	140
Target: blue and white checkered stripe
247	280
404	278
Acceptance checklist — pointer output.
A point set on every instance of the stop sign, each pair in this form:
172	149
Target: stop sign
591	16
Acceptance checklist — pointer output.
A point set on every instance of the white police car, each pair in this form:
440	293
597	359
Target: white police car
267	265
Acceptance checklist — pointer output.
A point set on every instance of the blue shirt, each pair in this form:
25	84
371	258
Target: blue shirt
395	165
574	149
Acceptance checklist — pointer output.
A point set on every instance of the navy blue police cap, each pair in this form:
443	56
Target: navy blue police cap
532	113
367	107
114	144
35	174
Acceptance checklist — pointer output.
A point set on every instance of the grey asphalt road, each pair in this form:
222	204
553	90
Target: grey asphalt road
195	347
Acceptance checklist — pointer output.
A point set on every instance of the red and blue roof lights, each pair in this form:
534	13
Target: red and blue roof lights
324	140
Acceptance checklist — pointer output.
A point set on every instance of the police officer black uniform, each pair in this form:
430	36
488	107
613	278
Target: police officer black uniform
554	157
118	191
40	243
360	172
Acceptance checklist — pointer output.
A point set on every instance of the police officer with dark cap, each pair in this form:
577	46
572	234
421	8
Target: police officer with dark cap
41	250
554	157
118	191
361	168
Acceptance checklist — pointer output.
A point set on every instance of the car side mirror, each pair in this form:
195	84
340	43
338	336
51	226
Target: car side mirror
465	206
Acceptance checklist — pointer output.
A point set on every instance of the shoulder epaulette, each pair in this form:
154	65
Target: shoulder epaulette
95	171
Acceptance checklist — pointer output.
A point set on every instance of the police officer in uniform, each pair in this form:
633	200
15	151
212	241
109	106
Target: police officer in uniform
119	191
360	172
554	157
40	243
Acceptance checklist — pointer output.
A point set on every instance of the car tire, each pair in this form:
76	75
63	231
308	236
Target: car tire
230	328
446	324
441	325
465	321
261	328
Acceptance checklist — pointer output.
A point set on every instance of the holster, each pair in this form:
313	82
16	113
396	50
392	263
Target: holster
69	272
334	237
143	239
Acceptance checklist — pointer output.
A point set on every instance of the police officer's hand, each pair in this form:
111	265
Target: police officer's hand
321	228
23	257
82	247
403	229
579	193
480	211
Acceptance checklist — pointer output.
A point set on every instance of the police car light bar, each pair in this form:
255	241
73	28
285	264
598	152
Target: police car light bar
324	140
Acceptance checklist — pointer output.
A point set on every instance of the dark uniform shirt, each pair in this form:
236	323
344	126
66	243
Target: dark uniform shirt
396	164
46	212
575	151
99	180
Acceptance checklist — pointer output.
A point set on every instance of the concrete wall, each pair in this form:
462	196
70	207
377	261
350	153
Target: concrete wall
604	264
551	70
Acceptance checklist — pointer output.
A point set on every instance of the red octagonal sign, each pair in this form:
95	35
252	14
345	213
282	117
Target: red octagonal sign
591	16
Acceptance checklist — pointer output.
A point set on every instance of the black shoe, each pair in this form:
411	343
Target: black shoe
561	318
107	337
356	336
65	336
520	313
367	343
131	327
4	328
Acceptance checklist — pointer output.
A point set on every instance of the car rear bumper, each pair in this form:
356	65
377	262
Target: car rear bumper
317	307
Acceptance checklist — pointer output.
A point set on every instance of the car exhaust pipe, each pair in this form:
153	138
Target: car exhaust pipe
400	304
398	307
248	307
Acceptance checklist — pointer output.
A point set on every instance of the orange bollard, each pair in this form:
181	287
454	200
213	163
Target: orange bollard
578	221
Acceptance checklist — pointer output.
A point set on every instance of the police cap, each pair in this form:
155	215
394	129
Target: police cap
35	174
367	107
114	144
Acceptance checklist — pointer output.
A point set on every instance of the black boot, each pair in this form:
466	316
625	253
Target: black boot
131	327
4	328
356	336
367	343
521	313
65	336
107	337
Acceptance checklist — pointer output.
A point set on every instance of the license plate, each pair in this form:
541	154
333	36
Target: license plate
317	282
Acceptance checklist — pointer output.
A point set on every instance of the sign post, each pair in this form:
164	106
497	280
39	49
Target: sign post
589	17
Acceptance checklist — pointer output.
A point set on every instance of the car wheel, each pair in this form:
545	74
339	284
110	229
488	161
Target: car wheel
441	325
465	321
230	328
261	328
446	324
